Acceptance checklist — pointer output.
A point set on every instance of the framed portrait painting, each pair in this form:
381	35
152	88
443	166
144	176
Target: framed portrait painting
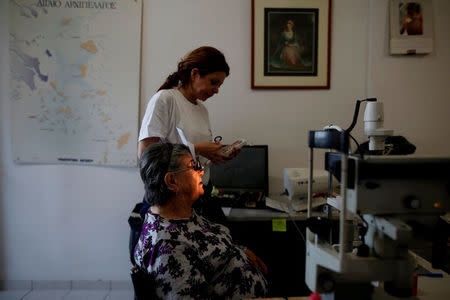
291	44
411	27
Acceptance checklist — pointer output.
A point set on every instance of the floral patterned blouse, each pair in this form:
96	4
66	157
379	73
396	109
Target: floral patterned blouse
194	258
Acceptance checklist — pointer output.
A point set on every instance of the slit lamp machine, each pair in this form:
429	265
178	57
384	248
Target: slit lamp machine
385	202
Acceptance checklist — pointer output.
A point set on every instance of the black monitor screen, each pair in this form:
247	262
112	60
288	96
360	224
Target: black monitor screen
249	171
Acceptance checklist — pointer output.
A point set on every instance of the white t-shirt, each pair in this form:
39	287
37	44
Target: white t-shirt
169	109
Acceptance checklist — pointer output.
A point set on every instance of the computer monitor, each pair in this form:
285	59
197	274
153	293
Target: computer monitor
247	172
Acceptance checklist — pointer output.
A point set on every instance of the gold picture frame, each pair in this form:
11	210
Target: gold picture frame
291	44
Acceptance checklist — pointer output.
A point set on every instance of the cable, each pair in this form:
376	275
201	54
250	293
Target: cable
362	250
362	219
358	147
366	225
298	229
355	114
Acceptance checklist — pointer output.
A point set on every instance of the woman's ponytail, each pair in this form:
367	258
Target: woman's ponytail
171	81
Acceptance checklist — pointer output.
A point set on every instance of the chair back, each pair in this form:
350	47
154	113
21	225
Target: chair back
143	283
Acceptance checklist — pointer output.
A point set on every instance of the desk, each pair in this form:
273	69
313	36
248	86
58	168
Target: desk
284	254
282	251
267	214
259	214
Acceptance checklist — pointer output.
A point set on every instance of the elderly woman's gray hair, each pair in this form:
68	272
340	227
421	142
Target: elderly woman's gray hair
155	162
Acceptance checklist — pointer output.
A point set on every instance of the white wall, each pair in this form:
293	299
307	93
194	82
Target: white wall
415	89
277	118
69	222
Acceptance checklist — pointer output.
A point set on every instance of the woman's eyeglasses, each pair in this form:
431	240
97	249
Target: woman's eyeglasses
196	166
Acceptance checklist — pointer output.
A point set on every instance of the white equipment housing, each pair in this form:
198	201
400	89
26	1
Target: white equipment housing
373	126
387	192
296	182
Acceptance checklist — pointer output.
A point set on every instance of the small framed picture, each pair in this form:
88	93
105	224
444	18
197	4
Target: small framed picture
411	27
291	44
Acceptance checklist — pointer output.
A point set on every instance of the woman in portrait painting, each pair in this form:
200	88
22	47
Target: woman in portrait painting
287	54
412	21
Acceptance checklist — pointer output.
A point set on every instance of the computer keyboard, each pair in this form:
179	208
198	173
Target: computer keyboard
241	199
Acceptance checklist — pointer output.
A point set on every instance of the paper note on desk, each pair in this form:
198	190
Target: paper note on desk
278	205
279	225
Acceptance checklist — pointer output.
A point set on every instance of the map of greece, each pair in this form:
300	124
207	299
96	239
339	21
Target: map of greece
74	82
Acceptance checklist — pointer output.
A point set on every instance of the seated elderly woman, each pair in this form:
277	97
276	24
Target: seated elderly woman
186	255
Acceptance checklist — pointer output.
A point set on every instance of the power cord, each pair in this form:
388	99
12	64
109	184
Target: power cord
363	250
358	147
298	229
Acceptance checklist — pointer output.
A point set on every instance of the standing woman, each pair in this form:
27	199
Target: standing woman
178	105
